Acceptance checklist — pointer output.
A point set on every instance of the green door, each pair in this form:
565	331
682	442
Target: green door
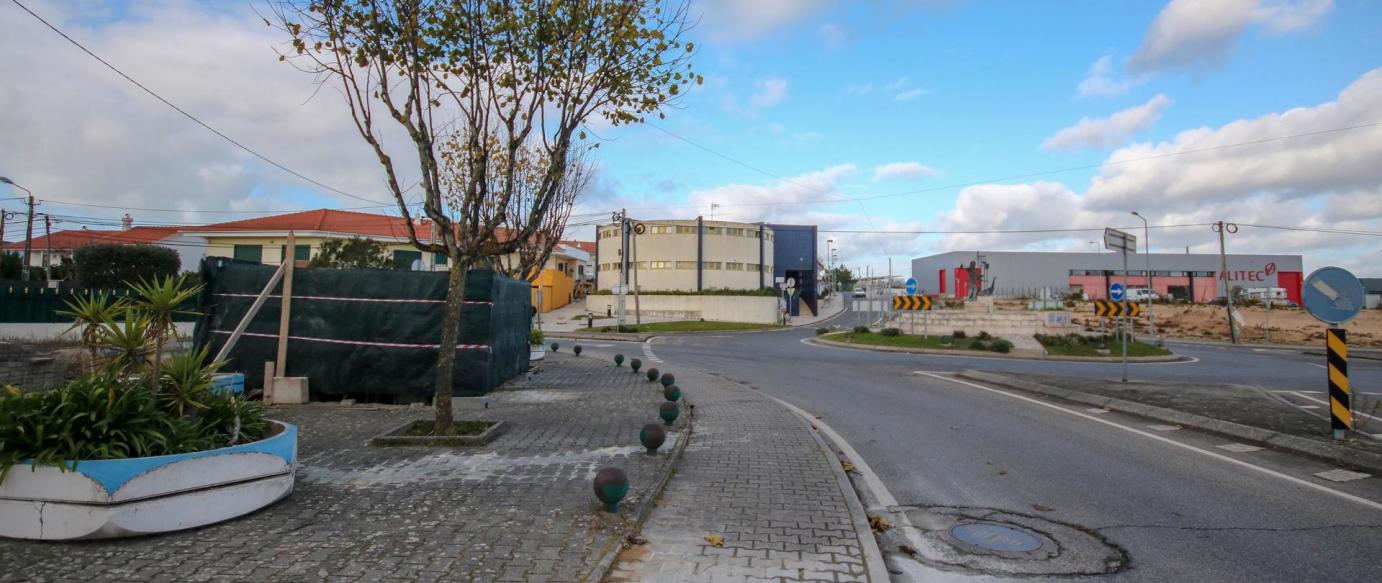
404	259
252	253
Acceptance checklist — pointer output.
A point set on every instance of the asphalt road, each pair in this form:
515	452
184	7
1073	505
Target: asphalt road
1180	513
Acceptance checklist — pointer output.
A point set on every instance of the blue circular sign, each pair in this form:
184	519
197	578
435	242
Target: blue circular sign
911	286
1332	295
1115	292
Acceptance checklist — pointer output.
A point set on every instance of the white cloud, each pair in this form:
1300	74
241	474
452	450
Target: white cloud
859	89
91	137
1100	81
834	35
910	94
1109	131
770	92
1203	32
903	171
1328	179
737	20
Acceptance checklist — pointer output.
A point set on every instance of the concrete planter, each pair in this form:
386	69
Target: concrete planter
97	499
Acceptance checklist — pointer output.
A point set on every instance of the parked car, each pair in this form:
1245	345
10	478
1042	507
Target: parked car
1142	294
860	293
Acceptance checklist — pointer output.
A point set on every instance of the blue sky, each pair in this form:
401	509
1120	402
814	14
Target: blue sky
821	93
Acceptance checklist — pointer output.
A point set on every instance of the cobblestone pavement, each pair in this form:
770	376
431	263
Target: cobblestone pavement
754	476
519	509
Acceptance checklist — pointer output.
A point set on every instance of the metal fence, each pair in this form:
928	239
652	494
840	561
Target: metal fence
32	303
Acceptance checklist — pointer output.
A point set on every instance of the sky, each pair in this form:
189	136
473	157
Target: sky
874	120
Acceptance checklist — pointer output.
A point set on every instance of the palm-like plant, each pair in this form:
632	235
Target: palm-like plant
187	381
128	340
159	300
88	313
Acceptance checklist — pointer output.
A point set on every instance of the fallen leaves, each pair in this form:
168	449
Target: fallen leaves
715	540
909	549
1042	508
632	541
879	523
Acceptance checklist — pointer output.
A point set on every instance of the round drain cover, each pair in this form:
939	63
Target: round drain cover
996	537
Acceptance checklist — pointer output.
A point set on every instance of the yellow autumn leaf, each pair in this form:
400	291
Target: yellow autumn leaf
715	540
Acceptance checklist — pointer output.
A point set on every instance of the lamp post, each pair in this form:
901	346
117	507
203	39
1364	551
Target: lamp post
829	265
28	231
1147	246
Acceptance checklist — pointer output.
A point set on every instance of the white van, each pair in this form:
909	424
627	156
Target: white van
1142	294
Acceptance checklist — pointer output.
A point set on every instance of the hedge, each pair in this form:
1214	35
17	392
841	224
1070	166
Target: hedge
115	266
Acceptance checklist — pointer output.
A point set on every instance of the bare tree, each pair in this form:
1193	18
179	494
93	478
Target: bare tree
532	253
487	91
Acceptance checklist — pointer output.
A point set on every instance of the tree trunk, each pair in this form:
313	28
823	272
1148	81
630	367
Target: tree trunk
446	357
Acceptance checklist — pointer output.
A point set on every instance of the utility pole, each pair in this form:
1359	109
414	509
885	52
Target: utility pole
637	309
1219	227
48	247
1147	248
623	287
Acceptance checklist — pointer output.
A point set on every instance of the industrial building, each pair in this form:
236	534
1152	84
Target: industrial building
697	254
1190	277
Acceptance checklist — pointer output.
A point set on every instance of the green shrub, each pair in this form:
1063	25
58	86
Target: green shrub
535	337
957	334
861	329
890	332
115	266
985	335
1001	345
820	331
977	344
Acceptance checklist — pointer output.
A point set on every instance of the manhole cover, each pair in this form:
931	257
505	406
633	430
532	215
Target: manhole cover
996	537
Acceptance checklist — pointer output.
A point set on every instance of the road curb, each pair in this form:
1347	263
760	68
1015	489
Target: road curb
606	563
1329	452
875	566
1310	349
987	354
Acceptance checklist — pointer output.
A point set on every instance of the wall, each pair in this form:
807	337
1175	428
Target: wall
273	252
556	290
31	370
756	309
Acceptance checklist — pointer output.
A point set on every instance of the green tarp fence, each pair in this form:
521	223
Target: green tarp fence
35	302
367	332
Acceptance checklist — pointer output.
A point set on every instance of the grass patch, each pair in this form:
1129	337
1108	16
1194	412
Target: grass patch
1081	345
693	326
988	344
458	428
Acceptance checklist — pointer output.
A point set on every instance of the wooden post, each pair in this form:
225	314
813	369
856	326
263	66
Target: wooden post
249	315
285	313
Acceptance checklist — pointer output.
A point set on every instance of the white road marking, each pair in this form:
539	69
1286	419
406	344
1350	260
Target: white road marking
603	345
648	351
1324	402
1164	427
1187	359
1238	447
1273	473
1096	410
1342	475
1317	364
1308	406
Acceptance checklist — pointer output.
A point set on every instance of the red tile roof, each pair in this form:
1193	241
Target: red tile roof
72	239
330	221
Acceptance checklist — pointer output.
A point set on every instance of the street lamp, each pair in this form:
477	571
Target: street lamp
28	231
1147	247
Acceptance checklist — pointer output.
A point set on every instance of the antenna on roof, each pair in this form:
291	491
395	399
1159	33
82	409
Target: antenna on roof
126	222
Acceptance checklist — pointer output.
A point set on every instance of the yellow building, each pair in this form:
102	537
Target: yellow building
688	255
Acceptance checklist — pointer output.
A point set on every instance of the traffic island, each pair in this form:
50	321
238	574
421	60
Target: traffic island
1239	412
520	508
977	347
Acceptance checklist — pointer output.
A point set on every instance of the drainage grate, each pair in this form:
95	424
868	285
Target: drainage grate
996	537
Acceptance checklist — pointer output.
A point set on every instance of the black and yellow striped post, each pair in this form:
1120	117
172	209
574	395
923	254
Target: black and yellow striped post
1340	414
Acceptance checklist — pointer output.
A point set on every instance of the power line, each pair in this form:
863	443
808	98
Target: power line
188	115
225	212
1315	230
1002	231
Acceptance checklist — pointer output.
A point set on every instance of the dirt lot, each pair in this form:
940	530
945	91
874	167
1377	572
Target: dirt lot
1288	325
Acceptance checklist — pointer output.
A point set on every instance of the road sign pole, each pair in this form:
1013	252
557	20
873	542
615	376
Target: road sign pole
1128	319
1340	411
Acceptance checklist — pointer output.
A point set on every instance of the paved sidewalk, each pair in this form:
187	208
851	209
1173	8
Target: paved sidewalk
755	476
832	307
519	509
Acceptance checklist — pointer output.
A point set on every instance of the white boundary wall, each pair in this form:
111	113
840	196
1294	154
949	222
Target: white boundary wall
755	309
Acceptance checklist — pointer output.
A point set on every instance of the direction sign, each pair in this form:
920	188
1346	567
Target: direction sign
1120	241
1116	291
1112	309
911	286
1333	295
911	303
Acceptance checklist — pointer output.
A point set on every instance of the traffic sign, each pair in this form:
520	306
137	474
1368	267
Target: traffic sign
1120	241
1333	295
1112	309
1115	292
911	286
911	303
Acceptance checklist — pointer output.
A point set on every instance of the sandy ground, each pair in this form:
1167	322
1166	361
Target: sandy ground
1287	325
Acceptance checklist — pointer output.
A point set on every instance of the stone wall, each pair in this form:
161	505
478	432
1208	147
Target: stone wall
755	309
31	369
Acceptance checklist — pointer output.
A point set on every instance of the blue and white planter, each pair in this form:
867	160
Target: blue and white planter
139	496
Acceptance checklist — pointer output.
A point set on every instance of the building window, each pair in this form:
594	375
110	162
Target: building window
686	265
734	266
659	264
404	259
711	264
439	259
712	230
300	252
251	253
661	230
734	232
686	230
754	266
